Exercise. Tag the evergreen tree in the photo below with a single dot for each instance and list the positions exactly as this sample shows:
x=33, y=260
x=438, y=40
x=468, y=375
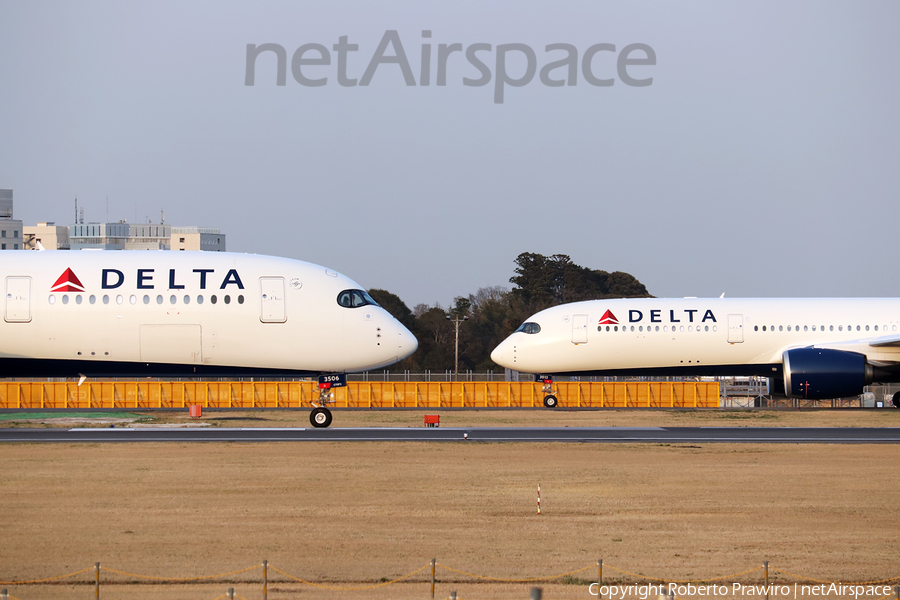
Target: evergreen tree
x=543, y=282
x=495, y=312
x=394, y=305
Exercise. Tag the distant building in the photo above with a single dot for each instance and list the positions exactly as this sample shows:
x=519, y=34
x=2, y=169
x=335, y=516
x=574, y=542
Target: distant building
x=198, y=238
x=6, y=204
x=149, y=236
x=49, y=235
x=11, y=237
x=101, y=236
x=144, y=236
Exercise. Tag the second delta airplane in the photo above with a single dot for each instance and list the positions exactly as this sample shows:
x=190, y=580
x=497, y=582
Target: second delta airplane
x=808, y=348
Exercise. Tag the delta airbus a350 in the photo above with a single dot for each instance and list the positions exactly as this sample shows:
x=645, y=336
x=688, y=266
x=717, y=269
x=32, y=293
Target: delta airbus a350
x=102, y=313
x=809, y=348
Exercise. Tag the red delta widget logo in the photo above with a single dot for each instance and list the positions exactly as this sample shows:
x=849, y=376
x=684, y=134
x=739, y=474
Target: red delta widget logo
x=111, y=279
x=608, y=319
x=67, y=282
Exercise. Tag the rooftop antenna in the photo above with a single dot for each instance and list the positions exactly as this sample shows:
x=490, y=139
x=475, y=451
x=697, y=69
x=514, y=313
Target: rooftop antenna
x=76, y=209
x=162, y=218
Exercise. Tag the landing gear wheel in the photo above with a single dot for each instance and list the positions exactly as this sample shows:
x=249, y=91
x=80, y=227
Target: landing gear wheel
x=550, y=401
x=320, y=417
x=896, y=400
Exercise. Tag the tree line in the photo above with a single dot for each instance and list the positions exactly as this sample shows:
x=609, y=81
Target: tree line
x=492, y=313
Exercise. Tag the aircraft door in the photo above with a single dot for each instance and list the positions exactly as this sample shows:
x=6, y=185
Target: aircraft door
x=579, y=329
x=271, y=294
x=735, y=329
x=18, y=300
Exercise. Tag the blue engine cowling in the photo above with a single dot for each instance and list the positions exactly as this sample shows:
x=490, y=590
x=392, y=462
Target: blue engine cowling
x=820, y=373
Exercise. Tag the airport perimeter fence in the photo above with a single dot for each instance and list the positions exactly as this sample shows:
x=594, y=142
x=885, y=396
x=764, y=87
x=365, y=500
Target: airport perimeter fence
x=759, y=581
x=406, y=390
x=372, y=394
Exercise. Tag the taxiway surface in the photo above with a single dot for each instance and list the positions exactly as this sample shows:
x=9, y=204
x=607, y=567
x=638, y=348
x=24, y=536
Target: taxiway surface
x=658, y=435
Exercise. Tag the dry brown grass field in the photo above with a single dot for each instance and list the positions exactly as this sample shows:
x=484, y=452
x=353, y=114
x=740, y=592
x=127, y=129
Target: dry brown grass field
x=352, y=515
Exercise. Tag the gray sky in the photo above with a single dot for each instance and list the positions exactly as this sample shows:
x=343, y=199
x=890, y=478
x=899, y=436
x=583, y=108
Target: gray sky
x=762, y=160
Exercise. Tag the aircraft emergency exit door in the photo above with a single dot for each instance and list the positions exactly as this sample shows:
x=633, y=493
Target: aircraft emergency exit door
x=735, y=329
x=271, y=293
x=18, y=300
x=579, y=329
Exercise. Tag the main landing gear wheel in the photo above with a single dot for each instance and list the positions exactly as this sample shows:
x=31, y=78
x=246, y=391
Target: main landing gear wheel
x=896, y=400
x=320, y=417
x=550, y=401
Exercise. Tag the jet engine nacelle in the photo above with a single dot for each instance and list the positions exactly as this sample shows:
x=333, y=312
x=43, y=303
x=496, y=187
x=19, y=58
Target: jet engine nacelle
x=820, y=373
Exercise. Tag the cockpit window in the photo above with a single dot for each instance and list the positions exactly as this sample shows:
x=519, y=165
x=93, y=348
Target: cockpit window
x=529, y=328
x=355, y=299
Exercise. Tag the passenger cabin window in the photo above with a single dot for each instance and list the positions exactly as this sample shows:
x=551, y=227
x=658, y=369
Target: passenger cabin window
x=355, y=299
x=529, y=328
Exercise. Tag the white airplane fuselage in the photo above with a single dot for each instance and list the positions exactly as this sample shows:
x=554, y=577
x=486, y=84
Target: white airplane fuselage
x=856, y=339
x=187, y=313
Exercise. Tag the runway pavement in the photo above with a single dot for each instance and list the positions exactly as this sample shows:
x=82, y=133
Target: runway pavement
x=650, y=435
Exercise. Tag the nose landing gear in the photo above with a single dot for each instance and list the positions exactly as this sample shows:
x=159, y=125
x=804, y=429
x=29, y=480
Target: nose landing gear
x=550, y=400
x=320, y=415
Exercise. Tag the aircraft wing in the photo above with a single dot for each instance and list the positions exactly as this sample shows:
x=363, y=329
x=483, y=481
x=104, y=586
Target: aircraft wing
x=885, y=340
x=860, y=345
x=882, y=350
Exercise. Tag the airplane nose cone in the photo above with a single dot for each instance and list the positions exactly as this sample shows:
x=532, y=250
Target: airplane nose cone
x=505, y=354
x=407, y=342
